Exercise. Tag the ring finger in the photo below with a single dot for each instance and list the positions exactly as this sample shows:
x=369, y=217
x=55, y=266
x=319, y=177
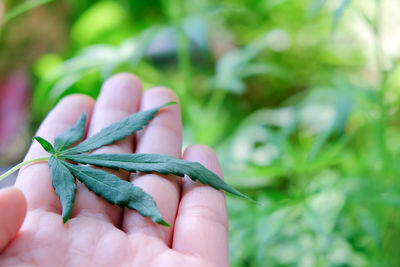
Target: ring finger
x=162, y=136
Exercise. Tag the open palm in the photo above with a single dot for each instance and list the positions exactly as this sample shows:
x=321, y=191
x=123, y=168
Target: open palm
x=100, y=234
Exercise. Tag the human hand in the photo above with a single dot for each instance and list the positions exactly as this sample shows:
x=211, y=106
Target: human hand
x=101, y=234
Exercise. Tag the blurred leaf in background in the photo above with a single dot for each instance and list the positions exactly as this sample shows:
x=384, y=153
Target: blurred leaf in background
x=299, y=98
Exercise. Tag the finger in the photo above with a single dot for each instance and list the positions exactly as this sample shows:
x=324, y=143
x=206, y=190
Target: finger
x=119, y=98
x=201, y=226
x=12, y=214
x=162, y=136
x=34, y=180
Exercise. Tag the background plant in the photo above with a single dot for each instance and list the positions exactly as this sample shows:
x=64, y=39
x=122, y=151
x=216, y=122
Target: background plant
x=300, y=99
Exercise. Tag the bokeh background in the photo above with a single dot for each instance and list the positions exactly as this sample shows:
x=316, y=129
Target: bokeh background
x=300, y=99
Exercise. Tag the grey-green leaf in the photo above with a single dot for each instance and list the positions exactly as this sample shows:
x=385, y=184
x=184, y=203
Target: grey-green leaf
x=116, y=131
x=64, y=184
x=45, y=144
x=156, y=163
x=117, y=191
x=70, y=136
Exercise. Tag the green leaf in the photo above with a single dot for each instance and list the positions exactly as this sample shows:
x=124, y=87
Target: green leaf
x=116, y=131
x=64, y=184
x=70, y=136
x=45, y=144
x=156, y=163
x=117, y=191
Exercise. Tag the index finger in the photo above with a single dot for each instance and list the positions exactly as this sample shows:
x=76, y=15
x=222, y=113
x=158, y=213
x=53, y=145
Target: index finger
x=34, y=180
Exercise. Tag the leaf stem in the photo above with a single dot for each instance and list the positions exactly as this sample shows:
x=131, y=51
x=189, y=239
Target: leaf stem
x=22, y=164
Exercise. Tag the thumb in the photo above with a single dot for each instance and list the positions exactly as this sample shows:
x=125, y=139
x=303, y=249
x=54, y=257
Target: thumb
x=12, y=213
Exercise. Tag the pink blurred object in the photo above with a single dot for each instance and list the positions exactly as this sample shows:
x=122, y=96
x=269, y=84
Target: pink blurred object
x=14, y=95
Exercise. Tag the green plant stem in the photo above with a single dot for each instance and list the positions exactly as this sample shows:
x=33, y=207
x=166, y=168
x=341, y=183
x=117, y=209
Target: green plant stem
x=384, y=152
x=175, y=12
x=22, y=8
x=22, y=164
x=389, y=233
x=184, y=61
x=217, y=100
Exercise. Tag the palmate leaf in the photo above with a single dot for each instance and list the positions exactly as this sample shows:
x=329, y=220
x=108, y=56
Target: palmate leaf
x=64, y=184
x=110, y=187
x=116, y=191
x=116, y=131
x=155, y=163
x=70, y=136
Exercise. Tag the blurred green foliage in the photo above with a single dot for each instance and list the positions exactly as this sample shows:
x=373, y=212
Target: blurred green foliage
x=299, y=98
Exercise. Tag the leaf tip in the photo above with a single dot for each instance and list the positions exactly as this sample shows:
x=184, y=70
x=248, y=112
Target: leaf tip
x=245, y=197
x=164, y=223
x=83, y=118
x=252, y=200
x=36, y=138
x=169, y=104
x=239, y=194
x=66, y=215
x=65, y=219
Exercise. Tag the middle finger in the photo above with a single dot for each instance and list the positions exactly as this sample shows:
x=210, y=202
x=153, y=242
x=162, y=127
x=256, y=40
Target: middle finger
x=119, y=98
